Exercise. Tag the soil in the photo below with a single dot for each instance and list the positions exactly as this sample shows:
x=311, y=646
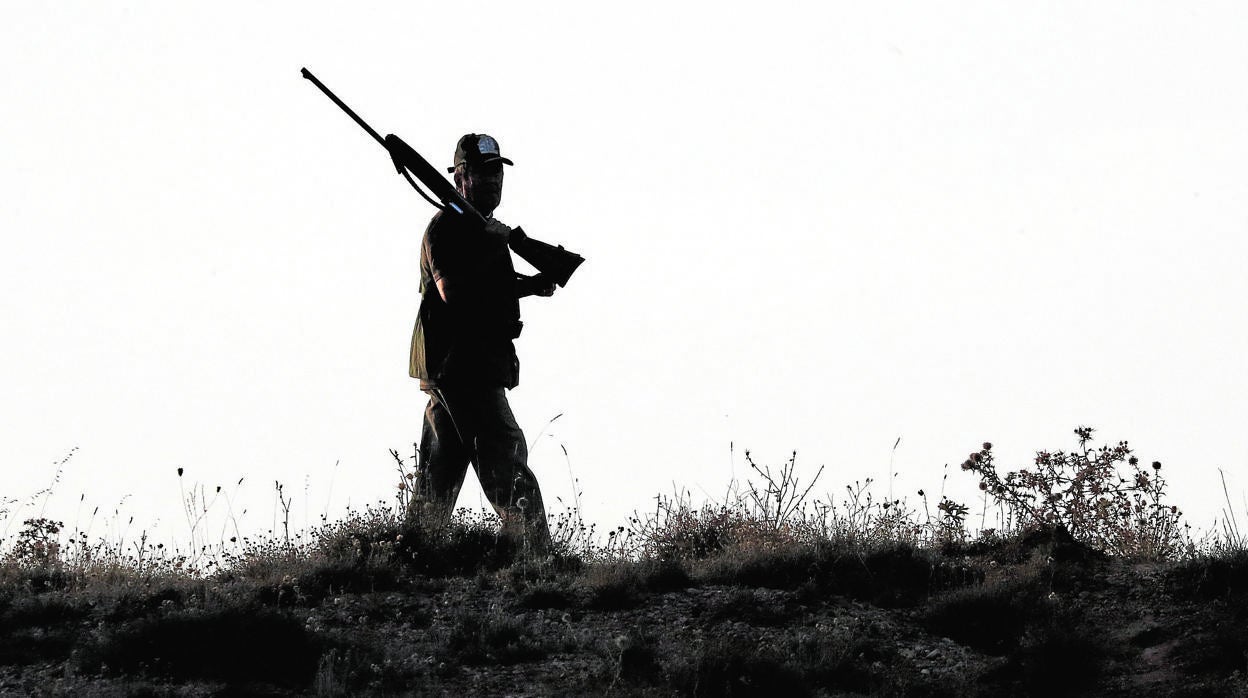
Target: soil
x=1043, y=618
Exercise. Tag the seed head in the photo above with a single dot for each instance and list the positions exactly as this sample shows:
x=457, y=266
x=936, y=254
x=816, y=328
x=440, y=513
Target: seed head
x=1156, y=465
x=987, y=446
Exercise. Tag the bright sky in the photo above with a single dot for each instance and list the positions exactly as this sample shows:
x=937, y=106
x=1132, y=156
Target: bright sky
x=809, y=225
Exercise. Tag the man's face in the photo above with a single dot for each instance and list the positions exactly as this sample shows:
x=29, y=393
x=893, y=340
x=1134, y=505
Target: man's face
x=482, y=186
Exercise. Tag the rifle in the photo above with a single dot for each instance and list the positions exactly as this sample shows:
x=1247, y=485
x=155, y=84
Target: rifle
x=551, y=260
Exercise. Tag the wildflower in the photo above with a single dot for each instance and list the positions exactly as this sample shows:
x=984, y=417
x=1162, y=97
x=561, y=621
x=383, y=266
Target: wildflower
x=987, y=446
x=976, y=457
x=1133, y=460
x=921, y=493
x=983, y=486
x=179, y=472
x=1156, y=465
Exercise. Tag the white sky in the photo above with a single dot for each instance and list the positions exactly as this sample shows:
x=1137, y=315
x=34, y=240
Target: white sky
x=813, y=226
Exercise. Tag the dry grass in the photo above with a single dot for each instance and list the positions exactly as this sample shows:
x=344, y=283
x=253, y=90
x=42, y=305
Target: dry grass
x=767, y=533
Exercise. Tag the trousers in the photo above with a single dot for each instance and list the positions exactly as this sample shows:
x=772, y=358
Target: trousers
x=470, y=424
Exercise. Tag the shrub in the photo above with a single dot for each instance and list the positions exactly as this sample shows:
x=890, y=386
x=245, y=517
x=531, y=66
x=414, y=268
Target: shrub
x=37, y=544
x=1084, y=491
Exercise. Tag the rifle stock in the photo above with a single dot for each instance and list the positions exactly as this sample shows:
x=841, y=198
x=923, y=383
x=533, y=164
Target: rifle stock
x=556, y=263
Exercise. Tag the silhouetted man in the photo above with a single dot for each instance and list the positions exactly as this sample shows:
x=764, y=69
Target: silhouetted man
x=463, y=354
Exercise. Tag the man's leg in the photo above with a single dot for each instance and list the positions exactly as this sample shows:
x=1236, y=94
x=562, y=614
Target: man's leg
x=501, y=459
x=441, y=466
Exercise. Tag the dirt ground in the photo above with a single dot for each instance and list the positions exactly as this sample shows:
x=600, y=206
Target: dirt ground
x=1044, y=619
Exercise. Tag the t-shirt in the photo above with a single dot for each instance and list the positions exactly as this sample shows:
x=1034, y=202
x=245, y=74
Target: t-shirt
x=470, y=339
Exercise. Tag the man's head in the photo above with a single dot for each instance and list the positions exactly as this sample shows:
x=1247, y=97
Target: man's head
x=478, y=171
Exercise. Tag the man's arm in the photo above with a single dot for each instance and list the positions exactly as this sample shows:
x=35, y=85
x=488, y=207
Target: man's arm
x=445, y=289
x=456, y=253
x=537, y=285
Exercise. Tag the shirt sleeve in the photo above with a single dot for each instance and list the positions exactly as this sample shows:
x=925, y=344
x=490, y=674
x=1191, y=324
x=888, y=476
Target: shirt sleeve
x=444, y=250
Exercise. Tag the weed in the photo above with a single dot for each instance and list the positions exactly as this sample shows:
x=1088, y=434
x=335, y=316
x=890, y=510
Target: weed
x=546, y=595
x=492, y=638
x=37, y=544
x=729, y=667
x=780, y=499
x=623, y=584
x=633, y=658
x=346, y=608
x=1221, y=575
x=1084, y=491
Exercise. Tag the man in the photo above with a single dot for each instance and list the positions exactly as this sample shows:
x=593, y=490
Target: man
x=464, y=355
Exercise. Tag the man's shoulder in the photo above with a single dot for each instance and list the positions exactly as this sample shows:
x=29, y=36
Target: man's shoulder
x=437, y=223
x=440, y=233
x=447, y=226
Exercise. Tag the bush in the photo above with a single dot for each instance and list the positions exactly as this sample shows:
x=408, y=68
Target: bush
x=1084, y=492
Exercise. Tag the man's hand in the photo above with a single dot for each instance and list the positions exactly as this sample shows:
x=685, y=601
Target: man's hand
x=546, y=287
x=536, y=285
x=495, y=227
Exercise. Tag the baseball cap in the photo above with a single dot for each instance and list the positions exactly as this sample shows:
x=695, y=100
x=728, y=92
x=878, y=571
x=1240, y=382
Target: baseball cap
x=477, y=149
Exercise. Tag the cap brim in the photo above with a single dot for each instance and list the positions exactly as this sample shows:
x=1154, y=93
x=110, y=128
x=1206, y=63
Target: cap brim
x=486, y=161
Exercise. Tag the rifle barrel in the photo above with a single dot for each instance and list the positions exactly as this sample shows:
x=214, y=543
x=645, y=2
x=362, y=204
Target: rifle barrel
x=308, y=74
